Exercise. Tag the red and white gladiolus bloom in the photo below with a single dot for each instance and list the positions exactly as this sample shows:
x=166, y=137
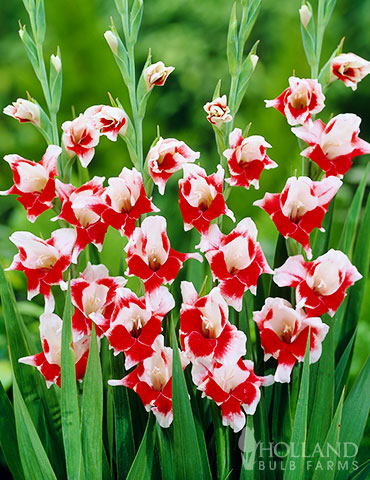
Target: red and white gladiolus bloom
x=236, y=260
x=24, y=111
x=284, y=334
x=218, y=111
x=299, y=101
x=333, y=146
x=247, y=158
x=320, y=285
x=201, y=197
x=233, y=387
x=34, y=183
x=43, y=261
x=125, y=200
x=152, y=381
x=300, y=207
x=167, y=157
x=49, y=360
x=82, y=207
x=150, y=256
x=80, y=137
x=156, y=74
x=350, y=69
x=111, y=121
x=135, y=324
x=205, y=330
x=94, y=293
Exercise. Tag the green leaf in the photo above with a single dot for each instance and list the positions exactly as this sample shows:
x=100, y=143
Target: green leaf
x=124, y=429
x=342, y=368
x=222, y=444
x=188, y=461
x=249, y=17
x=141, y=469
x=40, y=21
x=34, y=460
x=361, y=259
x=362, y=472
x=355, y=413
x=69, y=401
x=349, y=230
x=300, y=424
x=323, y=403
x=248, y=450
x=232, y=42
x=331, y=440
x=8, y=436
x=164, y=444
x=136, y=16
x=217, y=90
x=92, y=413
x=246, y=72
x=321, y=244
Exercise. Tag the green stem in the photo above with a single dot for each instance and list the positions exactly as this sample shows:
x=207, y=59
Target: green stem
x=221, y=438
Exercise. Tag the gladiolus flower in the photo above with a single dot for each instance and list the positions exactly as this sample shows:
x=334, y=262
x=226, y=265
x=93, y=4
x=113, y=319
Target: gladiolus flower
x=284, y=335
x=232, y=387
x=320, y=285
x=152, y=381
x=136, y=323
x=34, y=182
x=24, y=111
x=82, y=208
x=300, y=207
x=167, y=157
x=49, y=360
x=156, y=74
x=247, y=158
x=218, y=111
x=126, y=200
x=236, y=260
x=111, y=121
x=205, y=330
x=43, y=261
x=94, y=293
x=150, y=256
x=349, y=68
x=303, y=98
x=80, y=136
x=201, y=198
x=333, y=146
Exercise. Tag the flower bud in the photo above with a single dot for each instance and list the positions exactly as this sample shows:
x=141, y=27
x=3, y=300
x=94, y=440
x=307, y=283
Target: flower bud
x=156, y=74
x=112, y=41
x=254, y=60
x=56, y=62
x=24, y=111
x=305, y=14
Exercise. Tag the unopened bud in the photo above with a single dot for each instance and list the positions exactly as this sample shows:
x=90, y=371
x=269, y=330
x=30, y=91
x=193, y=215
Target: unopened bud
x=112, y=41
x=56, y=62
x=305, y=14
x=254, y=60
x=21, y=32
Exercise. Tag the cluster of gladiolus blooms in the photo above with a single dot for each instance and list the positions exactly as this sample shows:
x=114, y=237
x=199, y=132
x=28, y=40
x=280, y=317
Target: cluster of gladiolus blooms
x=133, y=325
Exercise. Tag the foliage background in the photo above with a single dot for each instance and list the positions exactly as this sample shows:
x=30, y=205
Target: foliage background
x=190, y=35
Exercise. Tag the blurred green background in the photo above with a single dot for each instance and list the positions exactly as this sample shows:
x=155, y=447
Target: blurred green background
x=190, y=35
